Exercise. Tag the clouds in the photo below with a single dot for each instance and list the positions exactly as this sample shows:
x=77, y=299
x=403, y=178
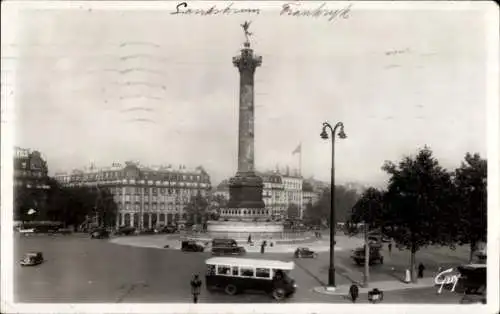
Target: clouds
x=80, y=74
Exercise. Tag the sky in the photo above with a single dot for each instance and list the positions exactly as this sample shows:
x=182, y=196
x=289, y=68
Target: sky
x=397, y=79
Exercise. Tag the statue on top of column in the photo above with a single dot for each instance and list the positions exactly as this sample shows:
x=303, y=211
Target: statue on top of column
x=245, y=27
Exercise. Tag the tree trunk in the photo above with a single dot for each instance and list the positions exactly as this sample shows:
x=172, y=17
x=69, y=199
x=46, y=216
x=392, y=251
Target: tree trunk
x=473, y=247
x=367, y=258
x=412, y=264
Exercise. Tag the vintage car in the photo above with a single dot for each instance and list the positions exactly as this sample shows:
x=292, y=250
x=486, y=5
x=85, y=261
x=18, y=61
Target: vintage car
x=167, y=229
x=192, y=246
x=32, y=259
x=473, y=283
x=223, y=242
x=303, y=252
x=358, y=255
x=148, y=231
x=99, y=233
x=125, y=231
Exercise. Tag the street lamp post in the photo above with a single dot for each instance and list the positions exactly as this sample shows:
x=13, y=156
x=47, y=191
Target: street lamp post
x=324, y=135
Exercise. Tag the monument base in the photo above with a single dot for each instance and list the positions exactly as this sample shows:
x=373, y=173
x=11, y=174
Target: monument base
x=245, y=190
x=243, y=229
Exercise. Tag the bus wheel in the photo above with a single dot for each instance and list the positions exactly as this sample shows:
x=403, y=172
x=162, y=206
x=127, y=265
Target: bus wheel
x=231, y=289
x=279, y=294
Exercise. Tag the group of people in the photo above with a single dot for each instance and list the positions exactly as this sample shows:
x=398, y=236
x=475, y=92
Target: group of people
x=262, y=245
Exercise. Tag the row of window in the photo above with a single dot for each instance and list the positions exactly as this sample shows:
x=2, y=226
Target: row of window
x=37, y=174
x=153, y=191
x=241, y=271
x=114, y=175
x=138, y=198
x=154, y=207
x=246, y=212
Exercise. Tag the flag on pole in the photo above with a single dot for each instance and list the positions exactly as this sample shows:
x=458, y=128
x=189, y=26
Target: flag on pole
x=298, y=150
x=31, y=211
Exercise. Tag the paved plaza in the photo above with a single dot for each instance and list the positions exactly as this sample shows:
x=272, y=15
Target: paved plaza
x=78, y=269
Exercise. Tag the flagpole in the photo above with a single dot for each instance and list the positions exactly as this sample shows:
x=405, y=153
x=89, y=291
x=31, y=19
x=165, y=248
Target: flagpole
x=300, y=160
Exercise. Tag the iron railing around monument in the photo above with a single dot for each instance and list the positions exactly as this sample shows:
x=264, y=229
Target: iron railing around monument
x=255, y=236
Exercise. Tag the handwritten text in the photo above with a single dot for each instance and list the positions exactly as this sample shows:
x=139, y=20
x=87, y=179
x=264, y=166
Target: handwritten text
x=443, y=278
x=292, y=9
x=181, y=8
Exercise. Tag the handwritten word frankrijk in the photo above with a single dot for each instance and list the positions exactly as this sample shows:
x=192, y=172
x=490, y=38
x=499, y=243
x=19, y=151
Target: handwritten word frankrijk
x=443, y=278
x=181, y=8
x=320, y=11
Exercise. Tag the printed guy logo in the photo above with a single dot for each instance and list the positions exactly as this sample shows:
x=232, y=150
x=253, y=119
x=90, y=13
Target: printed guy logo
x=443, y=278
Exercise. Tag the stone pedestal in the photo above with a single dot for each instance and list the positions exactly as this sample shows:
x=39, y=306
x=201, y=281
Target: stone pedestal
x=245, y=191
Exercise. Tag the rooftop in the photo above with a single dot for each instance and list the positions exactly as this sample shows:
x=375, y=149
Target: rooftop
x=233, y=261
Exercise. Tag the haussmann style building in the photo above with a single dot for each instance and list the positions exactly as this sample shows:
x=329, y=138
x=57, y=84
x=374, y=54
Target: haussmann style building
x=146, y=196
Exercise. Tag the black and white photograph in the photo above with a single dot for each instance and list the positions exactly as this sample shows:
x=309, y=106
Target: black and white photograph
x=260, y=157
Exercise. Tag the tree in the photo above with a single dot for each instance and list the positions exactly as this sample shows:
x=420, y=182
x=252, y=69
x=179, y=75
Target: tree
x=293, y=211
x=197, y=208
x=106, y=208
x=418, y=195
x=72, y=205
x=344, y=201
x=471, y=188
x=368, y=210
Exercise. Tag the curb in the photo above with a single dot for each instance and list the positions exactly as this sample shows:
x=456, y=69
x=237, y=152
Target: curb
x=344, y=289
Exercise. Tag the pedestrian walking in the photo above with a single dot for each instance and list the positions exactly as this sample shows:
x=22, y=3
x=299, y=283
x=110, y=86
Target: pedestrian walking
x=249, y=238
x=195, y=288
x=354, y=292
x=389, y=247
x=262, y=246
x=421, y=269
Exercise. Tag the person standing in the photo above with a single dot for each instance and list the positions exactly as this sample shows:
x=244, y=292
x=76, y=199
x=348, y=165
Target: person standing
x=249, y=238
x=421, y=269
x=262, y=246
x=354, y=292
x=195, y=288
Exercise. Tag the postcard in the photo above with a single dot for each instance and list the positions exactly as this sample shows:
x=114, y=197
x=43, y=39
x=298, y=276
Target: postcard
x=249, y=157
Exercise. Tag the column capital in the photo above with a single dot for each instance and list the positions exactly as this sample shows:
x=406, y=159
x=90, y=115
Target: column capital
x=247, y=61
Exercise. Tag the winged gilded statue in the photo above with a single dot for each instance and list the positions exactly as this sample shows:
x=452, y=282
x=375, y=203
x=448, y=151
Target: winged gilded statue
x=245, y=27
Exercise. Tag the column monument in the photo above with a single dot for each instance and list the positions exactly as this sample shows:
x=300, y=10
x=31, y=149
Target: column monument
x=245, y=212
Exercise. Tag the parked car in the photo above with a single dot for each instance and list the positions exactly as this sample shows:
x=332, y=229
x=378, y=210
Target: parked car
x=32, y=259
x=303, y=252
x=223, y=242
x=148, y=231
x=100, y=233
x=26, y=231
x=192, y=246
x=125, y=231
x=358, y=255
x=375, y=241
x=64, y=231
x=168, y=229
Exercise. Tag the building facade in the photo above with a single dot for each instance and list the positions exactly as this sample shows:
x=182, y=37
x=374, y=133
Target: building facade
x=309, y=195
x=30, y=176
x=279, y=193
x=146, y=196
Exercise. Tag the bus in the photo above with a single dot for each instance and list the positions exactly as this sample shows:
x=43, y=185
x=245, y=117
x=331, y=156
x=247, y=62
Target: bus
x=236, y=275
